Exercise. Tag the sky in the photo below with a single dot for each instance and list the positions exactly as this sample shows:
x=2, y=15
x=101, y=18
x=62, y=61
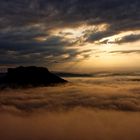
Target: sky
x=70, y=35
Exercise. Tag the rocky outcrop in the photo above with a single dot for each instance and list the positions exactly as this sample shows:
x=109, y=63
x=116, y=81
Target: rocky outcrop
x=30, y=76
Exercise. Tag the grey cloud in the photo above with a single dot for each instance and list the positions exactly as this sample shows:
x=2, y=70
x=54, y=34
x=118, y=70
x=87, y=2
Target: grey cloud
x=128, y=39
x=65, y=13
x=22, y=21
x=126, y=51
x=35, y=52
x=97, y=36
x=125, y=39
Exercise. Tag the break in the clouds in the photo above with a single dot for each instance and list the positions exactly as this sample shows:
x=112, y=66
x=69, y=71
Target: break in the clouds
x=49, y=31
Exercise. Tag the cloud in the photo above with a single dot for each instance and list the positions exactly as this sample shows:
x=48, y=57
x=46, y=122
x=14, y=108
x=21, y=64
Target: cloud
x=129, y=39
x=126, y=51
x=21, y=22
x=125, y=39
x=72, y=12
x=83, y=124
x=22, y=52
x=95, y=94
x=97, y=36
x=94, y=108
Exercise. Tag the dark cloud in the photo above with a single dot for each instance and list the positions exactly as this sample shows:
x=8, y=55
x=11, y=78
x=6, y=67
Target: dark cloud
x=73, y=10
x=126, y=51
x=125, y=39
x=66, y=12
x=23, y=21
x=97, y=36
x=40, y=53
x=128, y=39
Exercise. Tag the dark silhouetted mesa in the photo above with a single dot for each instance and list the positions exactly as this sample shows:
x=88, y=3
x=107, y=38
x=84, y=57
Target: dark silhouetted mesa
x=29, y=76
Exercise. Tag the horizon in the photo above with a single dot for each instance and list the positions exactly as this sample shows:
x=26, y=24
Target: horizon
x=86, y=73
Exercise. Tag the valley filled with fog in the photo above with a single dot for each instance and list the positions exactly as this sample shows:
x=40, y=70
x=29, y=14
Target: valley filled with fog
x=102, y=107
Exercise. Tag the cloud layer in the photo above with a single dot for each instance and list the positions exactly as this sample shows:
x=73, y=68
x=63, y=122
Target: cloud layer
x=100, y=108
x=26, y=27
x=109, y=94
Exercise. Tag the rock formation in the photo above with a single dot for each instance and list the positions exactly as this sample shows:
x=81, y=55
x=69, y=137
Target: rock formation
x=30, y=76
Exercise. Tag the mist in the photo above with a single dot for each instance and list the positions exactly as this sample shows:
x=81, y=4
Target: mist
x=99, y=108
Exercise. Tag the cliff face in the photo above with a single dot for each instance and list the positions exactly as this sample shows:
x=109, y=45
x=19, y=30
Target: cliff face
x=31, y=76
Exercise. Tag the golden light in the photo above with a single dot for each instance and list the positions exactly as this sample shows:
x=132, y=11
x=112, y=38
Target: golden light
x=76, y=32
x=40, y=39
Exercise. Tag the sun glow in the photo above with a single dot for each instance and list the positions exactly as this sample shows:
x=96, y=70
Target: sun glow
x=40, y=39
x=100, y=55
x=80, y=31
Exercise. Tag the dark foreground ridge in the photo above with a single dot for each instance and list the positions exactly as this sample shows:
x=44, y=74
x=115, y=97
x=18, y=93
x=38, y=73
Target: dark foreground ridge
x=29, y=76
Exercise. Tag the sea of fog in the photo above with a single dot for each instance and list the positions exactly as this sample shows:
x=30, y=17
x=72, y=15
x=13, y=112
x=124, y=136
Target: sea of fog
x=101, y=107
